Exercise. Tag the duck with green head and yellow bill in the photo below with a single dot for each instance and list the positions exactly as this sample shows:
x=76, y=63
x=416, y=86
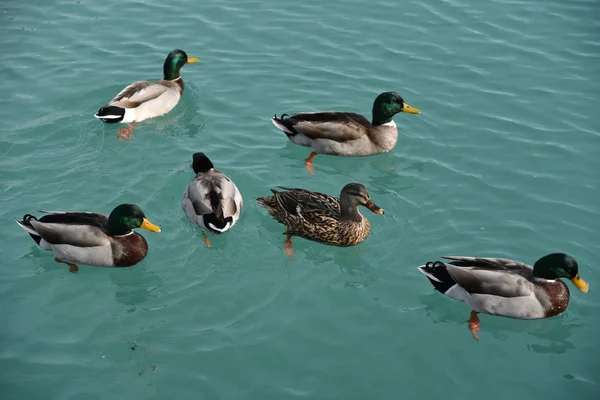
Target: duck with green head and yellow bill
x=144, y=99
x=346, y=133
x=508, y=288
x=92, y=238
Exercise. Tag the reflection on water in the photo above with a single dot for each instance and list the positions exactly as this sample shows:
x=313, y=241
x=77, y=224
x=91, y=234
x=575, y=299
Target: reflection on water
x=350, y=261
x=135, y=286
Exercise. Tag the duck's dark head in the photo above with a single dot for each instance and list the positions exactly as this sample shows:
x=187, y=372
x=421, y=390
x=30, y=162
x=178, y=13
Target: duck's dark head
x=126, y=217
x=354, y=195
x=559, y=265
x=388, y=104
x=201, y=163
x=175, y=60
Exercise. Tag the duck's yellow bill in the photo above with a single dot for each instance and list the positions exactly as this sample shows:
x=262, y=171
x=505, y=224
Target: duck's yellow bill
x=410, y=110
x=374, y=207
x=580, y=283
x=192, y=60
x=150, y=226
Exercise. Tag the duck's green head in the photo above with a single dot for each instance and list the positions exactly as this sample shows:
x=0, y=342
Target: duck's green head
x=175, y=60
x=559, y=265
x=388, y=104
x=201, y=163
x=126, y=217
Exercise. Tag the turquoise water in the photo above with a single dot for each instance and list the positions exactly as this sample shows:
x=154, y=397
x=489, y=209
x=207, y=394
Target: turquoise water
x=502, y=162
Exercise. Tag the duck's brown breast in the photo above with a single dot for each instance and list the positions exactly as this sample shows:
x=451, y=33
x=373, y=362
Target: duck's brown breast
x=129, y=250
x=558, y=297
x=353, y=233
x=180, y=84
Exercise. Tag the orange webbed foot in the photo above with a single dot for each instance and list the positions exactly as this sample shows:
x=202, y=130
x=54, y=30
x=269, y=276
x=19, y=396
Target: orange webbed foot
x=126, y=132
x=72, y=267
x=288, y=250
x=206, y=240
x=474, y=324
x=308, y=163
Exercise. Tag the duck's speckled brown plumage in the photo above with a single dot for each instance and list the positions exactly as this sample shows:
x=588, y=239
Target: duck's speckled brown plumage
x=315, y=216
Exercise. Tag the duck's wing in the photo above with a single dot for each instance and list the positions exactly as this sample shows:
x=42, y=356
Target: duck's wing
x=491, y=276
x=138, y=93
x=491, y=263
x=333, y=125
x=310, y=206
x=81, y=229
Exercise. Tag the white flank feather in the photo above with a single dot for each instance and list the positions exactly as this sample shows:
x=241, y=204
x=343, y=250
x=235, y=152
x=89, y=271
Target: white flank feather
x=422, y=269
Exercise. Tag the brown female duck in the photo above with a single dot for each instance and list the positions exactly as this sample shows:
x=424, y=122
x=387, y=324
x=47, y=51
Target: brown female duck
x=319, y=217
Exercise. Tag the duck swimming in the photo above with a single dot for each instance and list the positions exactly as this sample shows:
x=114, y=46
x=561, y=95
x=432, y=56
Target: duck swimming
x=320, y=217
x=346, y=133
x=211, y=200
x=143, y=99
x=504, y=287
x=92, y=238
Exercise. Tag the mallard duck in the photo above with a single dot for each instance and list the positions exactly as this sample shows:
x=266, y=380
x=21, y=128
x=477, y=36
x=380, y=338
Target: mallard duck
x=319, y=217
x=92, y=238
x=143, y=99
x=504, y=287
x=211, y=200
x=346, y=133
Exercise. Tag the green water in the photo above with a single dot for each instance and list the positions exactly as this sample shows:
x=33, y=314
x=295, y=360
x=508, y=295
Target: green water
x=502, y=162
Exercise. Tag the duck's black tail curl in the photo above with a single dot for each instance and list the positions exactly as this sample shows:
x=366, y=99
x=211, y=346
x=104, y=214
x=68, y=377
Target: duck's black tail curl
x=26, y=224
x=285, y=124
x=29, y=217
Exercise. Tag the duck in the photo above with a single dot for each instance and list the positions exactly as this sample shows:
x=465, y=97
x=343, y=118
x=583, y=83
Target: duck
x=211, y=200
x=504, y=287
x=346, y=133
x=144, y=99
x=91, y=238
x=320, y=217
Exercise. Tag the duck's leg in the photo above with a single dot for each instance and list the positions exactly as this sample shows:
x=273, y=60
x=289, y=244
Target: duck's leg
x=287, y=248
x=474, y=325
x=72, y=267
x=308, y=162
x=206, y=240
x=126, y=132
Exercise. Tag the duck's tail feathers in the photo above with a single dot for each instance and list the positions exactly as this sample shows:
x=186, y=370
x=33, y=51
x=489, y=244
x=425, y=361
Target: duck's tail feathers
x=217, y=225
x=438, y=275
x=262, y=201
x=111, y=114
x=284, y=124
x=267, y=201
x=26, y=225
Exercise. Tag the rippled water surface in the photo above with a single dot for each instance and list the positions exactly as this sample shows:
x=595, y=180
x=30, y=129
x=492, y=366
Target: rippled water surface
x=502, y=162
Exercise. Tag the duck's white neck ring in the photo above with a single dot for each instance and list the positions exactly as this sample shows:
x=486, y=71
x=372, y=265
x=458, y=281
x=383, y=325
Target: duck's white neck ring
x=127, y=234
